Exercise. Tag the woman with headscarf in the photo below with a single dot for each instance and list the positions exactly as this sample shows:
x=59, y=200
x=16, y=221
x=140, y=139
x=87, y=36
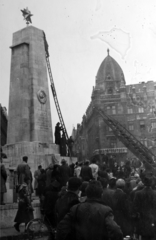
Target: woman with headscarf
x=25, y=210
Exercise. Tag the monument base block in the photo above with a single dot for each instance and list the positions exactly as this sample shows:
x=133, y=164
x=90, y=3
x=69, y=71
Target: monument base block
x=38, y=153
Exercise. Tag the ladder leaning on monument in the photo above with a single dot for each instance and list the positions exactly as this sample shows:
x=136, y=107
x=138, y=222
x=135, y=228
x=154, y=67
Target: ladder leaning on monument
x=130, y=141
x=54, y=93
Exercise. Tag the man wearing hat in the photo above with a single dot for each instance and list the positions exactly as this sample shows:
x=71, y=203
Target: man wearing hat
x=65, y=172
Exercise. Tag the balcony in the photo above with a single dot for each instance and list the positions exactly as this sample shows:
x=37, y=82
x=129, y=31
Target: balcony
x=110, y=150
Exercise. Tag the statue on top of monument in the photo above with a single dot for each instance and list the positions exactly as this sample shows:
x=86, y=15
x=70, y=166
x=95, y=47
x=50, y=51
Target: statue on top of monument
x=27, y=15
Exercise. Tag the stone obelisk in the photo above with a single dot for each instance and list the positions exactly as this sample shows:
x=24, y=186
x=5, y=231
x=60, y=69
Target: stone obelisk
x=29, y=118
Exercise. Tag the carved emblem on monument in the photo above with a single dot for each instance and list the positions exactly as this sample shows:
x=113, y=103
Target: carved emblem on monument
x=42, y=97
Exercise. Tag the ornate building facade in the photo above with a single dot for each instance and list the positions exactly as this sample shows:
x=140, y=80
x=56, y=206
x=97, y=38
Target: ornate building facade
x=134, y=106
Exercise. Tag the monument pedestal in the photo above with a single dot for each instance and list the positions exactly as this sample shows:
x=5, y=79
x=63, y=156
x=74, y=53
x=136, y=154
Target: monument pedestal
x=38, y=154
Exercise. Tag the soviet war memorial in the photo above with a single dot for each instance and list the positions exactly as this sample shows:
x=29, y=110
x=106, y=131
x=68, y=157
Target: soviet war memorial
x=78, y=157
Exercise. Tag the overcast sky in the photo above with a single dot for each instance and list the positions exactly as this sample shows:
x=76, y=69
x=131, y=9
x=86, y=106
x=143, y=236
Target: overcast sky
x=78, y=34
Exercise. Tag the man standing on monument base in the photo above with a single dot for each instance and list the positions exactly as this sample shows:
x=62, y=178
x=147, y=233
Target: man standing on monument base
x=23, y=173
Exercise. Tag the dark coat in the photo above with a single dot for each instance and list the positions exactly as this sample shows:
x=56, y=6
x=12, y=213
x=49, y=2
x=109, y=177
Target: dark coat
x=3, y=178
x=86, y=173
x=102, y=174
x=56, y=173
x=25, y=211
x=57, y=134
x=145, y=209
x=23, y=171
x=108, y=196
x=64, y=174
x=48, y=176
x=36, y=175
x=121, y=211
x=41, y=183
x=64, y=204
x=89, y=221
x=51, y=196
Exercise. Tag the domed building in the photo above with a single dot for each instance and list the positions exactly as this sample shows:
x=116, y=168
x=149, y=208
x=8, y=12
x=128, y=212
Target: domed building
x=109, y=76
x=132, y=105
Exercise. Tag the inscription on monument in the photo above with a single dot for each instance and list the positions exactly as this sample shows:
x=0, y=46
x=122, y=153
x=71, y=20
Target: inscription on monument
x=43, y=122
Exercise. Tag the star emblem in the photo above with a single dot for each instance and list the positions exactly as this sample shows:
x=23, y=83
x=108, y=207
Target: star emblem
x=27, y=15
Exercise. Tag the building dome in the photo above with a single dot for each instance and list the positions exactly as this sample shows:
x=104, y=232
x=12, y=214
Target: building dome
x=109, y=70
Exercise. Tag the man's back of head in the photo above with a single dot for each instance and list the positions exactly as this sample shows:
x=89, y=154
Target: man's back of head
x=39, y=167
x=74, y=184
x=120, y=183
x=94, y=190
x=112, y=183
x=86, y=163
x=63, y=162
x=25, y=159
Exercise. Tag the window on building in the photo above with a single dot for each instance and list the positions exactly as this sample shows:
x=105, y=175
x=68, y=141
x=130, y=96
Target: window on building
x=131, y=127
x=108, y=77
x=120, y=109
x=110, y=91
x=108, y=110
x=142, y=125
x=130, y=110
x=113, y=110
x=110, y=130
x=141, y=110
x=153, y=124
x=113, y=143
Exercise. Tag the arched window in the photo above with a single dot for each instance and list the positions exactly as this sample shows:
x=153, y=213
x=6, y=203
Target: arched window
x=110, y=91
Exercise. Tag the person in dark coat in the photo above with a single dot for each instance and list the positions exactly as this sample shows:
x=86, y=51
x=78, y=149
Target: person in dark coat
x=83, y=195
x=23, y=172
x=107, y=195
x=139, y=187
x=31, y=183
x=65, y=172
x=41, y=187
x=120, y=172
x=121, y=208
x=69, y=199
x=3, y=178
x=58, y=130
x=72, y=166
x=56, y=173
x=102, y=173
x=86, y=172
x=90, y=220
x=112, y=183
x=115, y=169
x=51, y=196
x=145, y=210
x=127, y=170
x=49, y=171
x=70, y=146
x=25, y=210
x=36, y=175
x=63, y=145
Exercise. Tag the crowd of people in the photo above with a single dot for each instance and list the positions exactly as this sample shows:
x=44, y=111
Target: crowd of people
x=90, y=200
